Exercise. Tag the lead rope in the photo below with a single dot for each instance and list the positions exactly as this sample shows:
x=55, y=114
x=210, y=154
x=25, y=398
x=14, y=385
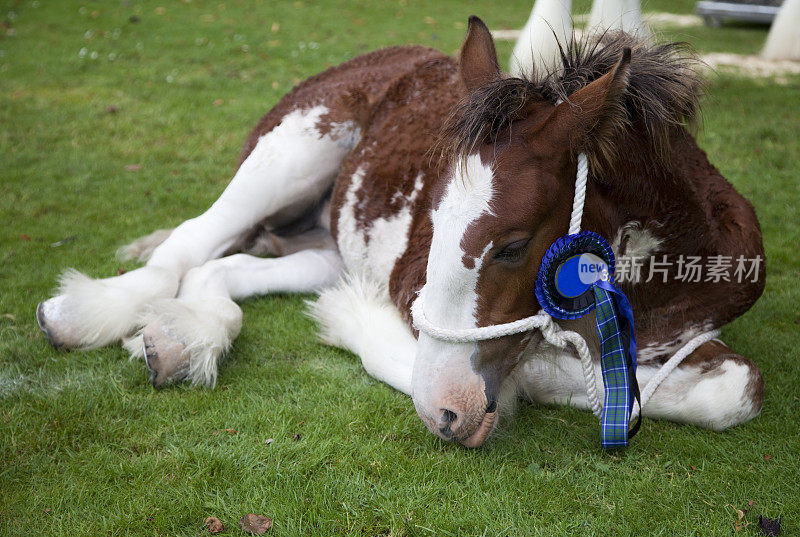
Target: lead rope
x=589, y=374
x=554, y=334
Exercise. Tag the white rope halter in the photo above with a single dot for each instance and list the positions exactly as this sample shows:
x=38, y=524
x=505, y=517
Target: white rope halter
x=554, y=334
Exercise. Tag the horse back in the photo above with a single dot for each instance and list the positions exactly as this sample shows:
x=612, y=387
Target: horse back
x=347, y=90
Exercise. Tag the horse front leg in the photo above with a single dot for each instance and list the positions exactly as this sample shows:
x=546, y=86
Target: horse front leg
x=713, y=388
x=357, y=315
x=185, y=337
x=90, y=313
x=288, y=171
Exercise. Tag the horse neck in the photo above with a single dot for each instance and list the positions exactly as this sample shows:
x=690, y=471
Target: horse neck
x=640, y=186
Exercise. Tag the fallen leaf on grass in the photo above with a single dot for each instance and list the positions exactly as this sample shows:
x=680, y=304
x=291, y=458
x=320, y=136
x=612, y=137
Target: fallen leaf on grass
x=767, y=457
x=770, y=526
x=740, y=523
x=111, y=109
x=215, y=525
x=8, y=316
x=256, y=524
x=230, y=431
x=133, y=167
x=24, y=237
x=121, y=271
x=297, y=437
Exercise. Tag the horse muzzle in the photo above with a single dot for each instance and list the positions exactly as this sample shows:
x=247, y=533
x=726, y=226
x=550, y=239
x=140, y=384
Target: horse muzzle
x=459, y=417
x=455, y=400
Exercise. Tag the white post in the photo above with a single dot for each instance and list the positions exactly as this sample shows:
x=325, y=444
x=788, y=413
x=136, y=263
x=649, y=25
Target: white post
x=548, y=25
x=623, y=15
x=783, y=41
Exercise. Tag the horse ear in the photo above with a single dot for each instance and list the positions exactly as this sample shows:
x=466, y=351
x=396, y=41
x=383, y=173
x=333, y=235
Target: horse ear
x=478, y=63
x=590, y=115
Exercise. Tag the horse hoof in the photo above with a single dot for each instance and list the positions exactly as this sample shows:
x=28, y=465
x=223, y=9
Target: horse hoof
x=41, y=320
x=165, y=355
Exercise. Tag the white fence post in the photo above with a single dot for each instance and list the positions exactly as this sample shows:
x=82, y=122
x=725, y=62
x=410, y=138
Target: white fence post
x=783, y=41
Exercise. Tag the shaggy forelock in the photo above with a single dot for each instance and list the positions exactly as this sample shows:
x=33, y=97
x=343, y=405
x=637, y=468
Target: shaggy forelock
x=663, y=92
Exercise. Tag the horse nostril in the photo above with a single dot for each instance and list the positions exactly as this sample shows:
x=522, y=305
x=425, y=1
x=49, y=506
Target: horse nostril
x=445, y=421
x=492, y=407
x=448, y=417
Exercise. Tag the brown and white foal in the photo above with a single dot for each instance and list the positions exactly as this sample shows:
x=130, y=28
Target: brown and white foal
x=405, y=172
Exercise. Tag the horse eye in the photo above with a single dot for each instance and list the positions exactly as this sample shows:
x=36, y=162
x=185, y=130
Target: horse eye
x=513, y=251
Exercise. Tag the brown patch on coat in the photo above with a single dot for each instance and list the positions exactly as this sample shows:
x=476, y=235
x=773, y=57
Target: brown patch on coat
x=393, y=159
x=364, y=78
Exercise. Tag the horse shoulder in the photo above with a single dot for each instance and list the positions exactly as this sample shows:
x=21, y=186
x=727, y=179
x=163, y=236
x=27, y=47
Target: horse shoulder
x=381, y=199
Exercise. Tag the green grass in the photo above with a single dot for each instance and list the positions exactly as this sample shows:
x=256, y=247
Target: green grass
x=88, y=447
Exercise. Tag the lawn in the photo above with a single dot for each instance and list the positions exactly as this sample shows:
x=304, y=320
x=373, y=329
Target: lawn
x=117, y=118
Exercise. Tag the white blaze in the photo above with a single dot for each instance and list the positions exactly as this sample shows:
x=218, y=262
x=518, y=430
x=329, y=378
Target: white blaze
x=449, y=297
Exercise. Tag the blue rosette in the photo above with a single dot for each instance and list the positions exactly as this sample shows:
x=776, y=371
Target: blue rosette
x=560, y=288
x=575, y=277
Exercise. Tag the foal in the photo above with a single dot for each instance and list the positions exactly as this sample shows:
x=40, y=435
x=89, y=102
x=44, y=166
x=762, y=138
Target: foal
x=406, y=173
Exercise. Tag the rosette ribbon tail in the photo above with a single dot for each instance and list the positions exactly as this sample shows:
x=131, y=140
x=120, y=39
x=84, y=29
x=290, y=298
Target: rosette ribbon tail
x=618, y=364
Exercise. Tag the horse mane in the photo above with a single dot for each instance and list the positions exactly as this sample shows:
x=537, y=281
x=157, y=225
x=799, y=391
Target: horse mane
x=663, y=93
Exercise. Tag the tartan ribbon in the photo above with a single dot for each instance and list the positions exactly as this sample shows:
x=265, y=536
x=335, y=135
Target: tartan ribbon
x=618, y=363
x=614, y=320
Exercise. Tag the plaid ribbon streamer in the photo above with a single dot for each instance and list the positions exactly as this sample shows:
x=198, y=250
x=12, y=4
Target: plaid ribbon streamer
x=614, y=325
x=617, y=371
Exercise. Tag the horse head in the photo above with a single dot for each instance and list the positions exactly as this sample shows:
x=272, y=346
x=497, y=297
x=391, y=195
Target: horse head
x=506, y=197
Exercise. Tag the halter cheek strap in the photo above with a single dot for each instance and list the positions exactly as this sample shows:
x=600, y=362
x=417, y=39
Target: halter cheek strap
x=614, y=326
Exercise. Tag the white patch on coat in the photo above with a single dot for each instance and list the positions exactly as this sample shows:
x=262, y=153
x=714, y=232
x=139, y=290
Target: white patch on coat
x=290, y=168
x=714, y=400
x=371, y=249
x=640, y=243
x=633, y=246
x=288, y=171
x=449, y=295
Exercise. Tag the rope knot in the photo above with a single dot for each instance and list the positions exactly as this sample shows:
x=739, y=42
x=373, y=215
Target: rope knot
x=552, y=333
